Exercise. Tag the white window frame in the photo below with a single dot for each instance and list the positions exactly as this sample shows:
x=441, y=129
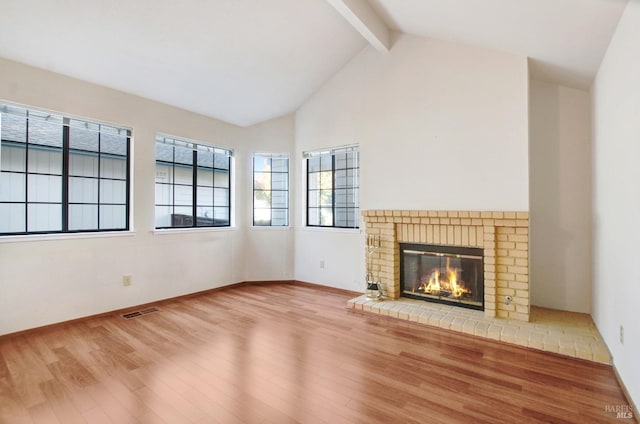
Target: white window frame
x=332, y=152
x=288, y=190
x=70, y=123
x=196, y=146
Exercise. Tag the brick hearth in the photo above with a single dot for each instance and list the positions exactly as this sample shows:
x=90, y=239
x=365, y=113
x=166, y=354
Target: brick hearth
x=504, y=236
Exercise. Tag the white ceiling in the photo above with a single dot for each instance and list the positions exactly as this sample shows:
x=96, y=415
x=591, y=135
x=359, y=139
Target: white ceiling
x=241, y=61
x=565, y=39
x=246, y=61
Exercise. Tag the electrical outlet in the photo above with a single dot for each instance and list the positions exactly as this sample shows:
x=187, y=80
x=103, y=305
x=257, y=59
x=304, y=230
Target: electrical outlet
x=321, y=264
x=126, y=280
x=621, y=334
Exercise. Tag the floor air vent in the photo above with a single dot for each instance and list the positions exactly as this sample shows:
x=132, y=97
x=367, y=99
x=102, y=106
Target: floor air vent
x=140, y=313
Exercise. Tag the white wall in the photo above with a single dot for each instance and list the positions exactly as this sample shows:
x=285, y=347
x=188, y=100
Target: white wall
x=440, y=126
x=44, y=282
x=560, y=212
x=616, y=225
x=269, y=250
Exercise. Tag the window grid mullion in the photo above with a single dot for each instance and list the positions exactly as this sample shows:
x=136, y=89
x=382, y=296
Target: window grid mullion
x=271, y=194
x=65, y=175
x=194, y=187
x=26, y=175
x=173, y=184
x=213, y=192
x=230, y=188
x=99, y=177
x=333, y=190
x=128, y=176
x=308, y=202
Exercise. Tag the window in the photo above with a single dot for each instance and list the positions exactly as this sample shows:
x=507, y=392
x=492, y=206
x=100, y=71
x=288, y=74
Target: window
x=270, y=190
x=61, y=174
x=192, y=180
x=332, y=188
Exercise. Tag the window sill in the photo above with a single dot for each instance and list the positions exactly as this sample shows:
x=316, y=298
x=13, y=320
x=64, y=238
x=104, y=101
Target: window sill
x=65, y=236
x=165, y=231
x=270, y=228
x=333, y=230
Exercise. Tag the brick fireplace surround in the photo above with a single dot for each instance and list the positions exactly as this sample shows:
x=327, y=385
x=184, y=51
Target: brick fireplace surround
x=504, y=236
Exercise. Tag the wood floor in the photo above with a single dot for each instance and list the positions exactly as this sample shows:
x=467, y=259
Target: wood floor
x=285, y=353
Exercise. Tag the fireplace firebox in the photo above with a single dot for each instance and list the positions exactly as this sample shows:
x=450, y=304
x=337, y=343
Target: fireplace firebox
x=444, y=274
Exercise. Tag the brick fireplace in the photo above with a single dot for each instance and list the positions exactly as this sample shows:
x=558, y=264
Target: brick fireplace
x=503, y=236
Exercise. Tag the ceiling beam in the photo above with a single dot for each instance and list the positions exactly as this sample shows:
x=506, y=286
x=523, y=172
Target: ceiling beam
x=365, y=20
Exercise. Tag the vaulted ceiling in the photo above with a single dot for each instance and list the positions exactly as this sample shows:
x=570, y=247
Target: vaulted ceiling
x=246, y=61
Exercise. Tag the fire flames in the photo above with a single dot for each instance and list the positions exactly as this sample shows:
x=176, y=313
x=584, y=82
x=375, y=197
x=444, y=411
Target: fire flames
x=448, y=284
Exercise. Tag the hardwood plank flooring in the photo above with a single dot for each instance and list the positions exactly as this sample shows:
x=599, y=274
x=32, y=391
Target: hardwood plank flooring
x=288, y=353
